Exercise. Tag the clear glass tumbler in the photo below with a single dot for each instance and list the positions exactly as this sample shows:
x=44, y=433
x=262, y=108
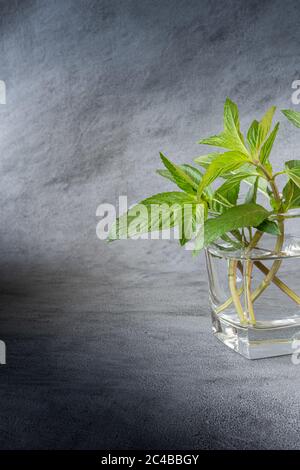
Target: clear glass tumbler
x=255, y=293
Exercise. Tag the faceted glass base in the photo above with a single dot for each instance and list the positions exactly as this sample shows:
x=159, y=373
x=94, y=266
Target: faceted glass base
x=259, y=341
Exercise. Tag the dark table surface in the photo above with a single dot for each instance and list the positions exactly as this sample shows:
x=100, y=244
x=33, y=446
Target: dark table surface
x=130, y=362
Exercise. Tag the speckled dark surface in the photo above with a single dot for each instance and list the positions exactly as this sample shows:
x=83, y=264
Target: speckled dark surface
x=110, y=346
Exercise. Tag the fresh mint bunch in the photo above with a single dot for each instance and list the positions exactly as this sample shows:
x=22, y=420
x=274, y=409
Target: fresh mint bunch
x=215, y=187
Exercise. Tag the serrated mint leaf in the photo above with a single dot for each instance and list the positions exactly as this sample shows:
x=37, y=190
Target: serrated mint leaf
x=226, y=195
x=166, y=174
x=224, y=163
x=265, y=125
x=231, y=138
x=293, y=116
x=244, y=215
x=156, y=213
x=287, y=193
x=252, y=192
x=232, y=125
x=252, y=135
x=269, y=226
x=180, y=176
x=221, y=140
x=227, y=141
x=205, y=160
x=258, y=131
x=240, y=174
x=262, y=185
x=192, y=172
x=293, y=171
x=231, y=116
x=291, y=195
x=267, y=146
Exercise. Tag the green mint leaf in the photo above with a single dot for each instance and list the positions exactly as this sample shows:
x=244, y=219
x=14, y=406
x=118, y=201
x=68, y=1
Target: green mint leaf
x=293, y=171
x=227, y=141
x=293, y=201
x=267, y=146
x=222, y=140
x=240, y=175
x=252, y=135
x=288, y=193
x=244, y=215
x=189, y=227
x=226, y=195
x=192, y=172
x=139, y=218
x=269, y=226
x=262, y=185
x=243, y=173
x=232, y=125
x=258, y=131
x=293, y=116
x=166, y=174
x=205, y=160
x=231, y=138
x=180, y=176
x=224, y=163
x=252, y=192
x=231, y=116
x=265, y=125
x=291, y=195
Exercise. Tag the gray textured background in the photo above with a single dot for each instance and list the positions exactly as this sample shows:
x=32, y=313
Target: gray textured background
x=110, y=346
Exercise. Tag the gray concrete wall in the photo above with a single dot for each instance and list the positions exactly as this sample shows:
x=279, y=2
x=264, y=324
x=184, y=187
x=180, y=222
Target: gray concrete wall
x=95, y=89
